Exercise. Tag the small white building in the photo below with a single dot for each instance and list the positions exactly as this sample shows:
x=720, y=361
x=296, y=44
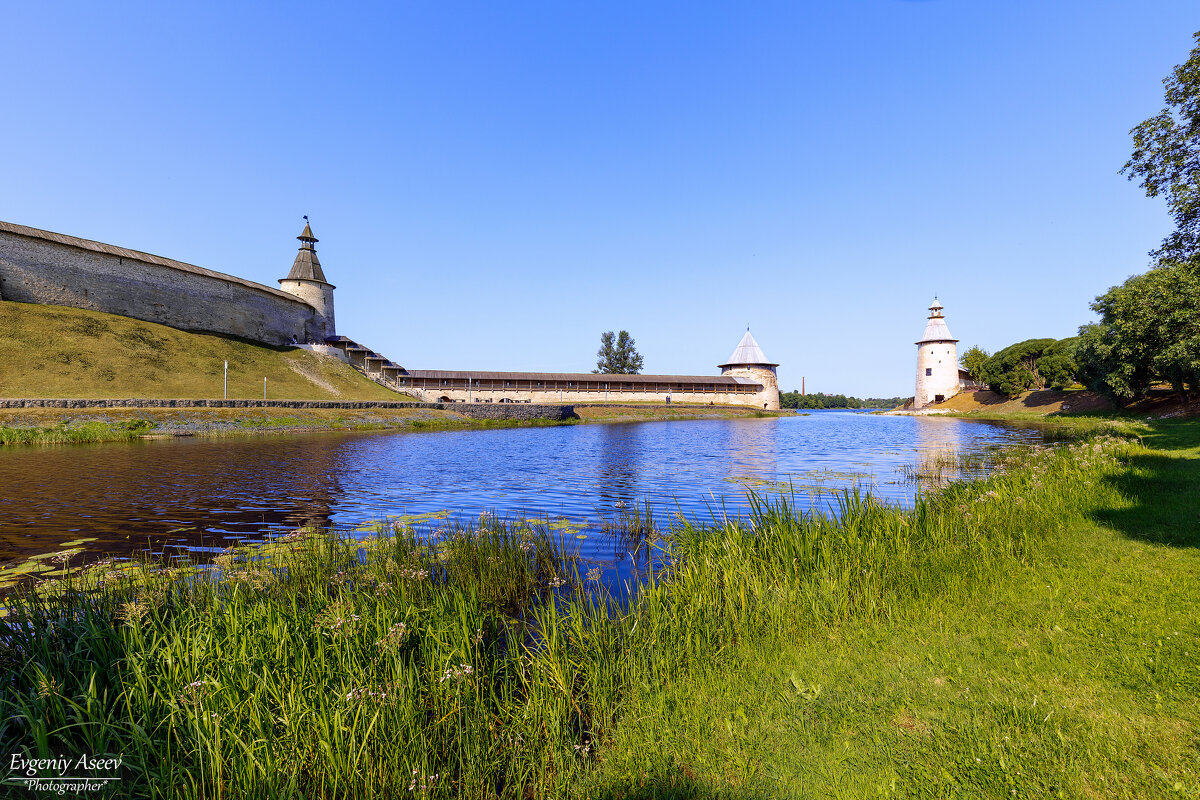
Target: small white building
x=937, y=361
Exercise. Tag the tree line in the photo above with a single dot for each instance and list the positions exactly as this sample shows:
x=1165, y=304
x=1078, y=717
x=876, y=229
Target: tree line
x=1149, y=328
x=816, y=400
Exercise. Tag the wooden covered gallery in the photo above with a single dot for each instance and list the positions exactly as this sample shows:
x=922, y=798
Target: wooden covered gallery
x=484, y=387
x=748, y=379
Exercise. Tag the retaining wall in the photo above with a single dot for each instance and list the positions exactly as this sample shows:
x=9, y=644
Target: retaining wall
x=472, y=410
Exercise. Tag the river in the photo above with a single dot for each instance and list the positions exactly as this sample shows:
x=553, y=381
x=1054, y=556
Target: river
x=193, y=496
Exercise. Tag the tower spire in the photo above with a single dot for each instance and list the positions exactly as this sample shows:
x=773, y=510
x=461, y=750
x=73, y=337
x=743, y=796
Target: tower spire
x=307, y=267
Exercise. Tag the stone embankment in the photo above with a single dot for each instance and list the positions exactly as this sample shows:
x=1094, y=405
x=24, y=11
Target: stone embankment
x=516, y=411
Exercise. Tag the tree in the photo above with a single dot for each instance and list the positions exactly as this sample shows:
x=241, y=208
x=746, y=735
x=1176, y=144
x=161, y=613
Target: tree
x=1166, y=157
x=617, y=358
x=973, y=360
x=1031, y=364
x=1149, y=331
x=1057, y=366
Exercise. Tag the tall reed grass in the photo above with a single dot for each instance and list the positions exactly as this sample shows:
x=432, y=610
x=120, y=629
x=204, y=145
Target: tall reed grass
x=83, y=433
x=471, y=661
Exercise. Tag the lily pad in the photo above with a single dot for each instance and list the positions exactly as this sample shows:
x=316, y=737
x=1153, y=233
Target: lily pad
x=29, y=567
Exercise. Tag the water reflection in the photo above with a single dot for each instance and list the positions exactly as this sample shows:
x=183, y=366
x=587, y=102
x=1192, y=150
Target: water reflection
x=618, y=452
x=191, y=494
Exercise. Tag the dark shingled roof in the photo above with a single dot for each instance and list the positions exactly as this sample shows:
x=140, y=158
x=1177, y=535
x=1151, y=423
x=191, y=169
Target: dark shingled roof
x=721, y=380
x=307, y=267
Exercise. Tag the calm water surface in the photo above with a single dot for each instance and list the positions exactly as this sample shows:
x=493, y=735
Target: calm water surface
x=193, y=495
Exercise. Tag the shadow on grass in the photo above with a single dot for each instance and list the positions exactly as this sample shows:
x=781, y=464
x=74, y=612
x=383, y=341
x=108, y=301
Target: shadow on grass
x=1038, y=399
x=1164, y=486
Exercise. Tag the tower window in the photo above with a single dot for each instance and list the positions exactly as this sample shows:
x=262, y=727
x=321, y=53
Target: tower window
x=928, y=371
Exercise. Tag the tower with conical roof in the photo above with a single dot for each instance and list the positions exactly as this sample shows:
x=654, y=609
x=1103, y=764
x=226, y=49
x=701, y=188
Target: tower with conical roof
x=937, y=361
x=307, y=281
x=749, y=361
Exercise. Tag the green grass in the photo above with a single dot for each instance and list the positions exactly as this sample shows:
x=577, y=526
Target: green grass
x=60, y=352
x=87, y=432
x=43, y=426
x=1048, y=646
x=305, y=672
x=1031, y=635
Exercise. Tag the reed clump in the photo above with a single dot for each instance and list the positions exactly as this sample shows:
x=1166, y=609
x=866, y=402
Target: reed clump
x=318, y=665
x=88, y=432
x=782, y=570
x=474, y=661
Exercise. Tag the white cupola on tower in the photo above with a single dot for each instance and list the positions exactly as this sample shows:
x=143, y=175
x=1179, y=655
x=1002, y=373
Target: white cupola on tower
x=937, y=361
x=307, y=281
x=748, y=361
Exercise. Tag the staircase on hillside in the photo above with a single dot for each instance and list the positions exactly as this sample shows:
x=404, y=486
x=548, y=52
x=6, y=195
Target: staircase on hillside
x=376, y=367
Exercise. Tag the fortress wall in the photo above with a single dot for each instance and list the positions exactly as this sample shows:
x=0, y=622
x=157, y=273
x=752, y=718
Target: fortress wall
x=102, y=278
x=478, y=396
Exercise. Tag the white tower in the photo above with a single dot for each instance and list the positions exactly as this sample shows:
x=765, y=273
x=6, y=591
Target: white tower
x=749, y=361
x=937, y=361
x=307, y=281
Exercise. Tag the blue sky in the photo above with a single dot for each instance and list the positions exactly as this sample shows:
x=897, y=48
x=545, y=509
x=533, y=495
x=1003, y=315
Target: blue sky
x=495, y=184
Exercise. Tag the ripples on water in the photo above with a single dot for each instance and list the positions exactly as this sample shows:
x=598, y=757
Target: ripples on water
x=193, y=495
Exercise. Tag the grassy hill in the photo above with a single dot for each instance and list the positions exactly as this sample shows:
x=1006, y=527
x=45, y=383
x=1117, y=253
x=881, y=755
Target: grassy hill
x=1160, y=403
x=1044, y=401
x=55, y=351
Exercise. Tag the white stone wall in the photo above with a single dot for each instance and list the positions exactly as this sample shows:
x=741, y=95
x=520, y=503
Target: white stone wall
x=320, y=297
x=769, y=397
x=34, y=270
x=940, y=361
x=325, y=350
x=460, y=395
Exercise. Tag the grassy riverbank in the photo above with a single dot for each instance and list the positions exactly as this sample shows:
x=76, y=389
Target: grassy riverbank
x=1035, y=634
x=1044, y=644
x=63, y=426
x=639, y=412
x=60, y=352
x=27, y=426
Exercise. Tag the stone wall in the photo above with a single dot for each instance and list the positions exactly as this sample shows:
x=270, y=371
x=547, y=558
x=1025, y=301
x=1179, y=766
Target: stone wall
x=326, y=350
x=768, y=398
x=460, y=397
x=43, y=267
x=473, y=410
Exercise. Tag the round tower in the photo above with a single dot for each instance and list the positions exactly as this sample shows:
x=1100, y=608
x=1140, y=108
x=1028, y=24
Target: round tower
x=749, y=361
x=937, y=361
x=307, y=281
